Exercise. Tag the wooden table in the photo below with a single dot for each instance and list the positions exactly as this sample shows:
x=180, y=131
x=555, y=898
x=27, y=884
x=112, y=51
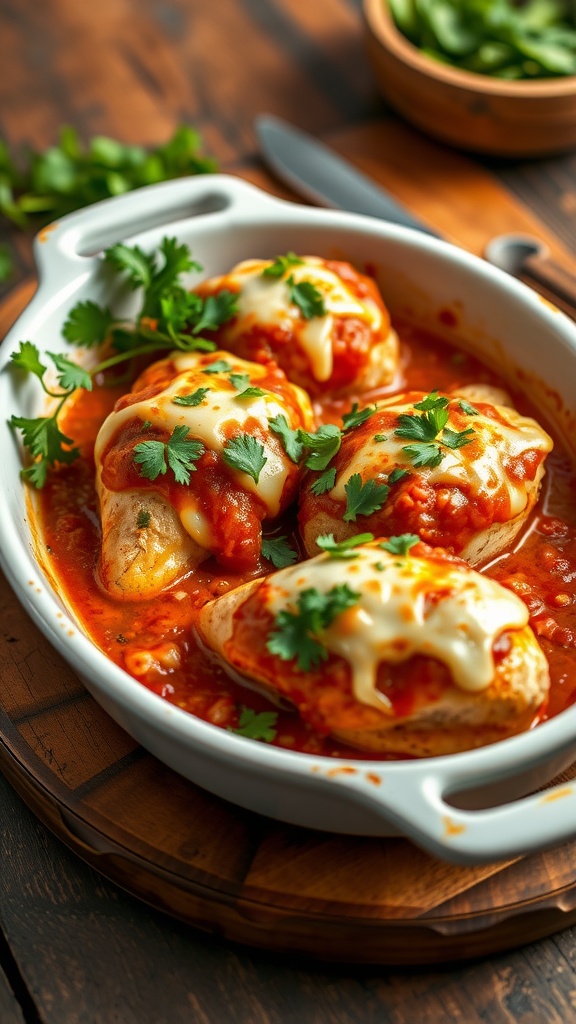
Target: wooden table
x=73, y=947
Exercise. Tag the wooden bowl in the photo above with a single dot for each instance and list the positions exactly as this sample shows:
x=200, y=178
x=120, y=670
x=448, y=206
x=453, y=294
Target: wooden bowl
x=468, y=110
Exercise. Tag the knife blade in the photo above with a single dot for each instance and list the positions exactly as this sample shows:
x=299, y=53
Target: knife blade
x=320, y=175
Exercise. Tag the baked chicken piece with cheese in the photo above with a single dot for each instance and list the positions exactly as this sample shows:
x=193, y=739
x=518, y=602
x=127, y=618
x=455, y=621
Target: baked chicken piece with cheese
x=188, y=465
x=322, y=321
x=460, y=475
x=403, y=653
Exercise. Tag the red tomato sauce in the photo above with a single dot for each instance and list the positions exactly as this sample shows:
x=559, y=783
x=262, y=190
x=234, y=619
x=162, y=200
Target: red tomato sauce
x=155, y=640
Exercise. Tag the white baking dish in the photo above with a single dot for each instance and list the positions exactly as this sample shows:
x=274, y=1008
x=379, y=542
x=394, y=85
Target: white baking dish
x=225, y=220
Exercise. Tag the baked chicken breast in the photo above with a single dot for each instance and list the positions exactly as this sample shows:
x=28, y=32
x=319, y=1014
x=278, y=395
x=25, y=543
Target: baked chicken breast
x=460, y=475
x=414, y=654
x=188, y=465
x=322, y=321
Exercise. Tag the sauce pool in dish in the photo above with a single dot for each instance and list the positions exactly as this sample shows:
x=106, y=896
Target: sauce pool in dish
x=155, y=641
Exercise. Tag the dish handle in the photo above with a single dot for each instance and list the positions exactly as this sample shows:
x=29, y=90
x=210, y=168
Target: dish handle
x=420, y=810
x=70, y=248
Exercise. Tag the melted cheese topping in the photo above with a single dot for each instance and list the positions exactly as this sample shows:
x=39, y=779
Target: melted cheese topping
x=211, y=422
x=480, y=466
x=266, y=300
x=410, y=606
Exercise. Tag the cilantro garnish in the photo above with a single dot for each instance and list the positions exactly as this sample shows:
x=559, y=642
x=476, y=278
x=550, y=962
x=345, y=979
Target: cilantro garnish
x=355, y=418
x=379, y=438
x=401, y=544
x=218, y=366
x=425, y=428
x=307, y=297
x=194, y=398
x=290, y=438
x=146, y=425
x=325, y=482
x=143, y=520
x=363, y=499
x=467, y=408
x=396, y=475
x=241, y=381
x=88, y=324
x=169, y=318
x=256, y=725
x=294, y=635
x=180, y=453
x=281, y=265
x=246, y=454
x=343, y=549
x=278, y=551
x=323, y=445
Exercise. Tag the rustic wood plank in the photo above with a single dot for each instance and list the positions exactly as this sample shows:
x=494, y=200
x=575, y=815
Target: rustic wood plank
x=10, y=1012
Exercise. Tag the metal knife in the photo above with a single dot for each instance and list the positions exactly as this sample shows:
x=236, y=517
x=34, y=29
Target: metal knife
x=319, y=174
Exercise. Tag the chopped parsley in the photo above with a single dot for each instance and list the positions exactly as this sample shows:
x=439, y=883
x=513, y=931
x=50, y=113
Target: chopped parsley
x=356, y=417
x=278, y=551
x=379, y=438
x=240, y=381
x=290, y=438
x=256, y=725
x=218, y=366
x=246, y=454
x=294, y=637
x=281, y=265
x=322, y=445
x=325, y=482
x=195, y=398
x=343, y=549
x=143, y=520
x=307, y=297
x=401, y=544
x=396, y=475
x=179, y=452
x=467, y=408
x=423, y=430
x=363, y=499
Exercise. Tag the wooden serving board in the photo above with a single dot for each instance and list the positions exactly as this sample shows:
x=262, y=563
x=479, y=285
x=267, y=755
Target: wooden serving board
x=227, y=870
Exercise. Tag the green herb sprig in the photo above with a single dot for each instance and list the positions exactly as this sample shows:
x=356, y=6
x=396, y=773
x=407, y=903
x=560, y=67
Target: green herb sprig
x=296, y=634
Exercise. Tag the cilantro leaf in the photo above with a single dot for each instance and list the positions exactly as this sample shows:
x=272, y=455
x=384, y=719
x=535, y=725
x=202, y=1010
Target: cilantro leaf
x=180, y=452
x=45, y=442
x=400, y=544
x=290, y=438
x=323, y=445
x=240, y=381
x=294, y=635
x=325, y=482
x=194, y=398
x=355, y=418
x=432, y=401
x=256, y=726
x=178, y=308
x=246, y=454
x=177, y=260
x=422, y=428
x=425, y=454
x=281, y=265
x=343, y=549
x=87, y=324
x=71, y=376
x=143, y=519
x=457, y=438
x=251, y=393
x=363, y=499
x=379, y=438
x=278, y=551
x=28, y=358
x=219, y=366
x=131, y=260
x=396, y=475
x=307, y=297
x=467, y=408
x=217, y=310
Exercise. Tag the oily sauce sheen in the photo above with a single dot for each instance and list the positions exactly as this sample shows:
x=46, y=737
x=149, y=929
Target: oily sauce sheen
x=155, y=640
